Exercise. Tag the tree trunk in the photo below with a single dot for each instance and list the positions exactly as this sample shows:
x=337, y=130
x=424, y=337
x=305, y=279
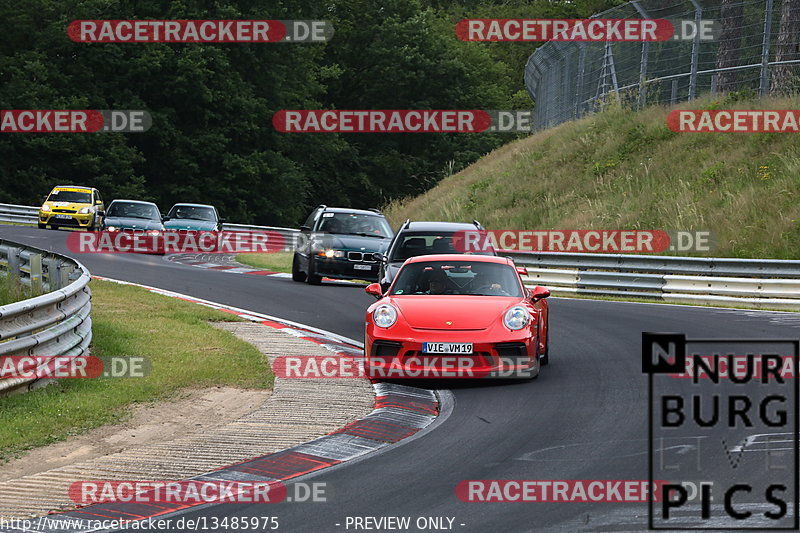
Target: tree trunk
x=730, y=43
x=783, y=77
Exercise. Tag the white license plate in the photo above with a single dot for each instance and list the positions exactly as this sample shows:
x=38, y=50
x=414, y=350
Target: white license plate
x=362, y=267
x=63, y=216
x=447, y=347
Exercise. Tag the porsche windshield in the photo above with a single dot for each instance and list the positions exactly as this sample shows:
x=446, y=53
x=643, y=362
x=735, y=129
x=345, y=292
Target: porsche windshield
x=470, y=278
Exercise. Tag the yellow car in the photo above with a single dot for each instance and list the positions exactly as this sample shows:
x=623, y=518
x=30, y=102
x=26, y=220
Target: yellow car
x=72, y=206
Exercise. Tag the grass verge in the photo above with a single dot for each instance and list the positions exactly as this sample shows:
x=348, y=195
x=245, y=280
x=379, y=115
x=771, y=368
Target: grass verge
x=623, y=169
x=276, y=262
x=11, y=290
x=185, y=352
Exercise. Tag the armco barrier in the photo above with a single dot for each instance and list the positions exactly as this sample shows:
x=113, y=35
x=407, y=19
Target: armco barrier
x=289, y=235
x=19, y=214
x=757, y=283
x=57, y=323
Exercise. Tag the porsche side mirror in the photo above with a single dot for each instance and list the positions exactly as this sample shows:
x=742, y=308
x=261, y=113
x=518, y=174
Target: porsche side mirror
x=539, y=292
x=522, y=271
x=164, y=218
x=101, y=214
x=305, y=229
x=379, y=257
x=374, y=289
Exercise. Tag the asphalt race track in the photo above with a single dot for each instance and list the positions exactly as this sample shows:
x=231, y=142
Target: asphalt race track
x=584, y=418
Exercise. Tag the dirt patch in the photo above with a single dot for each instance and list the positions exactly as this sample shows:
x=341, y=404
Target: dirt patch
x=193, y=411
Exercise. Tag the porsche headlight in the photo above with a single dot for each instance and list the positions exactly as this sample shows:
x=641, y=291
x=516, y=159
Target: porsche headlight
x=516, y=318
x=85, y=210
x=45, y=208
x=154, y=233
x=384, y=316
x=112, y=228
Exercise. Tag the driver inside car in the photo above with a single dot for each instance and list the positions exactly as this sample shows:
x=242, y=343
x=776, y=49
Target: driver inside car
x=483, y=284
x=437, y=283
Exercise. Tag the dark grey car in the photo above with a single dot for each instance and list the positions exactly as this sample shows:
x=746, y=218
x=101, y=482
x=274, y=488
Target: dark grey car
x=421, y=238
x=132, y=215
x=340, y=243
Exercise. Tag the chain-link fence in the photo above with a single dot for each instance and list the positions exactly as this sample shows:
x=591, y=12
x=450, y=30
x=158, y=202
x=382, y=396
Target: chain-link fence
x=756, y=50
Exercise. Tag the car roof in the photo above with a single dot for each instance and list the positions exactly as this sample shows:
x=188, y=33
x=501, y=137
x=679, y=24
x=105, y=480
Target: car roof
x=460, y=257
x=436, y=226
x=192, y=205
x=73, y=187
x=352, y=211
x=132, y=201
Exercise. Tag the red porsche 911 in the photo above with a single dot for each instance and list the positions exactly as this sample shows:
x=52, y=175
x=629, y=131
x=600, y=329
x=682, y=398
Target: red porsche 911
x=463, y=316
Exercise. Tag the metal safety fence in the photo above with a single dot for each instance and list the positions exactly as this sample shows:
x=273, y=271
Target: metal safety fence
x=55, y=323
x=755, y=51
x=756, y=283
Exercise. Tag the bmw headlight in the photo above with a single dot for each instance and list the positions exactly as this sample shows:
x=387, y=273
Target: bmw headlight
x=45, y=208
x=329, y=253
x=112, y=228
x=154, y=233
x=85, y=210
x=384, y=316
x=516, y=318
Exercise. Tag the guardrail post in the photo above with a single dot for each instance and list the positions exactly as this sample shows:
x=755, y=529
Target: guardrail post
x=673, y=97
x=53, y=275
x=35, y=265
x=64, y=273
x=13, y=261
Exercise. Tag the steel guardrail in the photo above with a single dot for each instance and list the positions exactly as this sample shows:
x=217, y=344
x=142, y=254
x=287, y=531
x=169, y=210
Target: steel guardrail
x=18, y=214
x=289, y=235
x=756, y=283
x=55, y=323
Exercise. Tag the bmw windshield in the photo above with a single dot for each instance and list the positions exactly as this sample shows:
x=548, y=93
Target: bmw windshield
x=133, y=210
x=354, y=224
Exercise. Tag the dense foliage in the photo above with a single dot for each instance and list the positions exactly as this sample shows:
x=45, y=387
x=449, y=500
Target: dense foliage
x=212, y=138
